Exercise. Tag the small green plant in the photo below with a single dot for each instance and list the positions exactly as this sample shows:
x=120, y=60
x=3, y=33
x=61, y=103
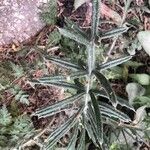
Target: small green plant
x=90, y=87
x=49, y=12
x=13, y=129
x=19, y=95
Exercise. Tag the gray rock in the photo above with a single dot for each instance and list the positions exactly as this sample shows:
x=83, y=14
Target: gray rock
x=19, y=20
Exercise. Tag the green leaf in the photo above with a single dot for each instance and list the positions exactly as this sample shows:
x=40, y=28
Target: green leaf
x=64, y=63
x=18, y=70
x=74, y=138
x=113, y=63
x=54, y=38
x=106, y=85
x=74, y=27
x=90, y=132
x=142, y=78
x=133, y=64
x=81, y=145
x=113, y=32
x=98, y=117
x=5, y=117
x=74, y=36
x=57, y=84
x=95, y=18
x=90, y=120
x=24, y=99
x=55, y=108
x=22, y=126
x=49, y=13
x=124, y=103
x=62, y=77
x=62, y=130
x=142, y=100
x=110, y=112
x=144, y=38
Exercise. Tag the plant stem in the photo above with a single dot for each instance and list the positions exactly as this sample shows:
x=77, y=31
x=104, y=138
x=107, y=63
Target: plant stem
x=91, y=67
x=91, y=49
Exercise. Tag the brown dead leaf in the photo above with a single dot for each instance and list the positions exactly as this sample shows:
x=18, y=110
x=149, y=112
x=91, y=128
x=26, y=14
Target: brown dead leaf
x=108, y=12
x=104, y=11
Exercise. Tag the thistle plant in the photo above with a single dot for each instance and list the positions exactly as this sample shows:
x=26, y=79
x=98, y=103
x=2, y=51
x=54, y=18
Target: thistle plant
x=92, y=114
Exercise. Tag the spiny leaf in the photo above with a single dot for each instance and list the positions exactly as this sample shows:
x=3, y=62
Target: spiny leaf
x=113, y=32
x=74, y=27
x=114, y=63
x=57, y=84
x=74, y=36
x=81, y=145
x=55, y=108
x=95, y=18
x=62, y=130
x=98, y=117
x=62, y=77
x=73, y=139
x=64, y=63
x=124, y=103
x=90, y=116
x=90, y=131
x=111, y=112
x=120, y=101
x=106, y=85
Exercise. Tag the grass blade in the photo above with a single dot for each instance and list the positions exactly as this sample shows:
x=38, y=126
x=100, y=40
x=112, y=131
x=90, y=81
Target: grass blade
x=55, y=108
x=74, y=36
x=106, y=85
x=64, y=63
x=113, y=63
x=62, y=130
x=98, y=117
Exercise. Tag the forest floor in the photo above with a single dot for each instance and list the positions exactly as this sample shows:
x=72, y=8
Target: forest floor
x=21, y=62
